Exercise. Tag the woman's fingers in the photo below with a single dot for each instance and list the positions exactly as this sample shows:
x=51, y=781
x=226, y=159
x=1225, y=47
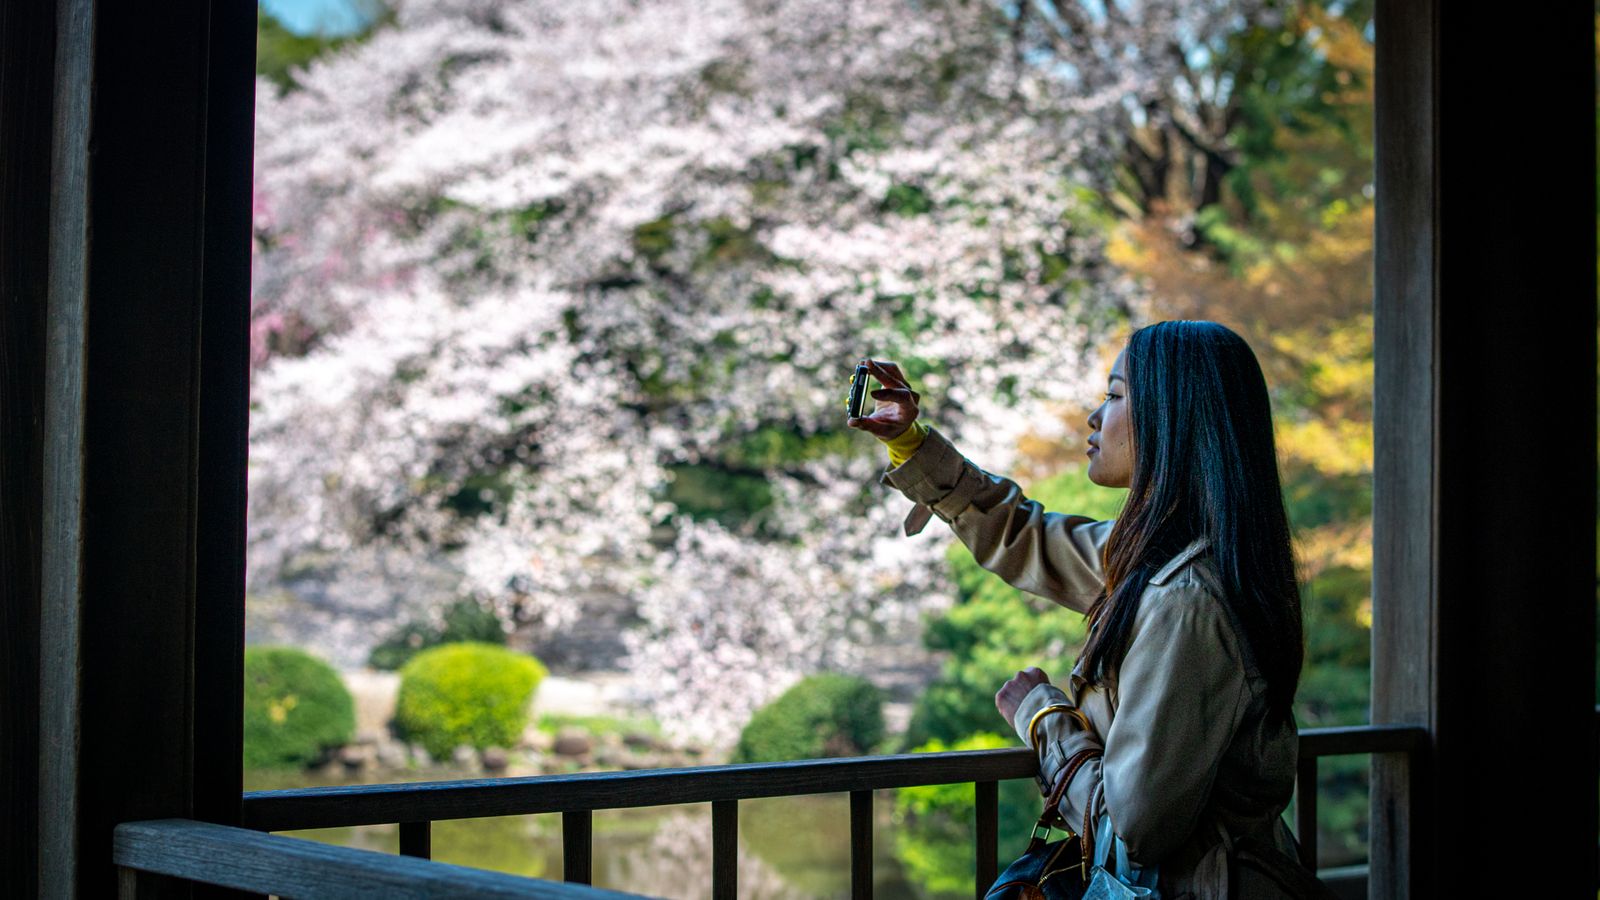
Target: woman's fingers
x=894, y=372
x=878, y=429
x=887, y=373
x=897, y=403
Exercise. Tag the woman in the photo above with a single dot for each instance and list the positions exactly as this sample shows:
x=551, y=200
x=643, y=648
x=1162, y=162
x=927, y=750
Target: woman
x=1194, y=648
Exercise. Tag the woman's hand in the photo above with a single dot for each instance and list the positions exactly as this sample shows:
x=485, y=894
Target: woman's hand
x=1012, y=692
x=896, y=403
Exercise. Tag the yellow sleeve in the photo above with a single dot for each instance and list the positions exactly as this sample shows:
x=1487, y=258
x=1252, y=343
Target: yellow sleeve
x=901, y=448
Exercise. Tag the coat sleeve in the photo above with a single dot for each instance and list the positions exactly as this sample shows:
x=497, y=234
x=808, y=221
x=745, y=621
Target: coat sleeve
x=1182, y=693
x=1059, y=736
x=1053, y=555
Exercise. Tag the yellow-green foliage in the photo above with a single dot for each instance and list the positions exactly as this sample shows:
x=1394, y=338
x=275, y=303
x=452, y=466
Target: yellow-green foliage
x=469, y=693
x=294, y=707
x=821, y=716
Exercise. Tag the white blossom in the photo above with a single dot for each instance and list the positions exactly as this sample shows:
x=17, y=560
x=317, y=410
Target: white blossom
x=514, y=262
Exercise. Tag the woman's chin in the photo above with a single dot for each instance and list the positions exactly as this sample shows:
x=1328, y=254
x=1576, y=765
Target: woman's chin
x=1099, y=477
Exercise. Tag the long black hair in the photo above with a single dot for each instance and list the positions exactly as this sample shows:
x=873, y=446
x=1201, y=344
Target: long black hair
x=1205, y=464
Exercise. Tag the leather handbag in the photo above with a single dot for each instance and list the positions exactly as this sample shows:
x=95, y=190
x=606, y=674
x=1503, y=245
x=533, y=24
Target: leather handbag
x=1048, y=871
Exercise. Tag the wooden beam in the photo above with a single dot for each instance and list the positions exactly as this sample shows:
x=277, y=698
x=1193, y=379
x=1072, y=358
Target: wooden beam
x=308, y=870
x=144, y=427
x=27, y=58
x=61, y=544
x=222, y=449
x=1404, y=504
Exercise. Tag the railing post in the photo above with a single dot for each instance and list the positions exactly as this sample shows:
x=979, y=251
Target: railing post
x=133, y=884
x=987, y=829
x=861, y=845
x=416, y=839
x=577, y=846
x=724, y=849
x=1305, y=810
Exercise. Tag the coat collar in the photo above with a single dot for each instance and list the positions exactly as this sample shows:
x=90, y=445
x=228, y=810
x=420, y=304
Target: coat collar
x=1177, y=562
x=1077, y=681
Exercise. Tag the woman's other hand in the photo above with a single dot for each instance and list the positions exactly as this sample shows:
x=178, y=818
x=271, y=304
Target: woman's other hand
x=1012, y=692
x=896, y=403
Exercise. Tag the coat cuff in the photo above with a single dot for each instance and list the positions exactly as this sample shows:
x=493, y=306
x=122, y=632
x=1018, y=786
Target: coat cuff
x=903, y=447
x=1041, y=696
x=1060, y=735
x=937, y=478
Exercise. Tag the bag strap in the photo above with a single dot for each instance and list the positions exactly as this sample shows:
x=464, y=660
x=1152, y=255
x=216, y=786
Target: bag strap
x=1052, y=811
x=1089, y=848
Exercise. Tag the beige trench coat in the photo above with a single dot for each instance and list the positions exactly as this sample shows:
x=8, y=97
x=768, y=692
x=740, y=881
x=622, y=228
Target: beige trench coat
x=1189, y=756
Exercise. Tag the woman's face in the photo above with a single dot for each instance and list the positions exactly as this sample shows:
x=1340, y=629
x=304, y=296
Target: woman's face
x=1111, y=444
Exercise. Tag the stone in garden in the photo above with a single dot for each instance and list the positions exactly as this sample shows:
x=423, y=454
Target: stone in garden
x=573, y=742
x=494, y=759
x=354, y=756
x=368, y=737
x=642, y=761
x=638, y=740
x=463, y=756
x=420, y=755
x=392, y=755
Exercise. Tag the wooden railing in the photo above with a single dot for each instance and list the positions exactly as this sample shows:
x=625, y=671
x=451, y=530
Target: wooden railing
x=414, y=807
x=239, y=858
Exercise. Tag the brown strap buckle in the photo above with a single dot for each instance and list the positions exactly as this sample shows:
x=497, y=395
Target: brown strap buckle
x=1052, y=810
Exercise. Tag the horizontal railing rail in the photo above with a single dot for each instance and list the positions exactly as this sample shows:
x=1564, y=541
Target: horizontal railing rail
x=248, y=860
x=414, y=807
x=1411, y=741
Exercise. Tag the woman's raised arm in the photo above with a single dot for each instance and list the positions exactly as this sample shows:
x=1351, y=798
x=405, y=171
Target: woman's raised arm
x=1053, y=555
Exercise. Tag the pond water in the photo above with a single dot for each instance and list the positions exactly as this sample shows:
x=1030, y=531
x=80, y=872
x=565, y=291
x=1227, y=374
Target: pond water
x=789, y=847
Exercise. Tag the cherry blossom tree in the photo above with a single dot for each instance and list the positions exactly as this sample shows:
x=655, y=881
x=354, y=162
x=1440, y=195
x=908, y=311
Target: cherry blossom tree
x=520, y=266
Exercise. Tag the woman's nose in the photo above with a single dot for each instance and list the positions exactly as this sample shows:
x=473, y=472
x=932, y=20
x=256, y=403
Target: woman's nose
x=1094, y=417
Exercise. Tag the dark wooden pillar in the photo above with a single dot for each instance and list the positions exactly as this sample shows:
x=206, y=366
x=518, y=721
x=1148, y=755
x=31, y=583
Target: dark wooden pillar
x=27, y=54
x=1484, y=506
x=125, y=192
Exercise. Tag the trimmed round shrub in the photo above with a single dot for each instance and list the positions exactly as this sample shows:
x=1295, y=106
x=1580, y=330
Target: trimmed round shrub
x=470, y=693
x=295, y=707
x=821, y=716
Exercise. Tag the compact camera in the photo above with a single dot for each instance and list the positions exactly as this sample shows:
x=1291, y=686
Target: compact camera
x=858, y=391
